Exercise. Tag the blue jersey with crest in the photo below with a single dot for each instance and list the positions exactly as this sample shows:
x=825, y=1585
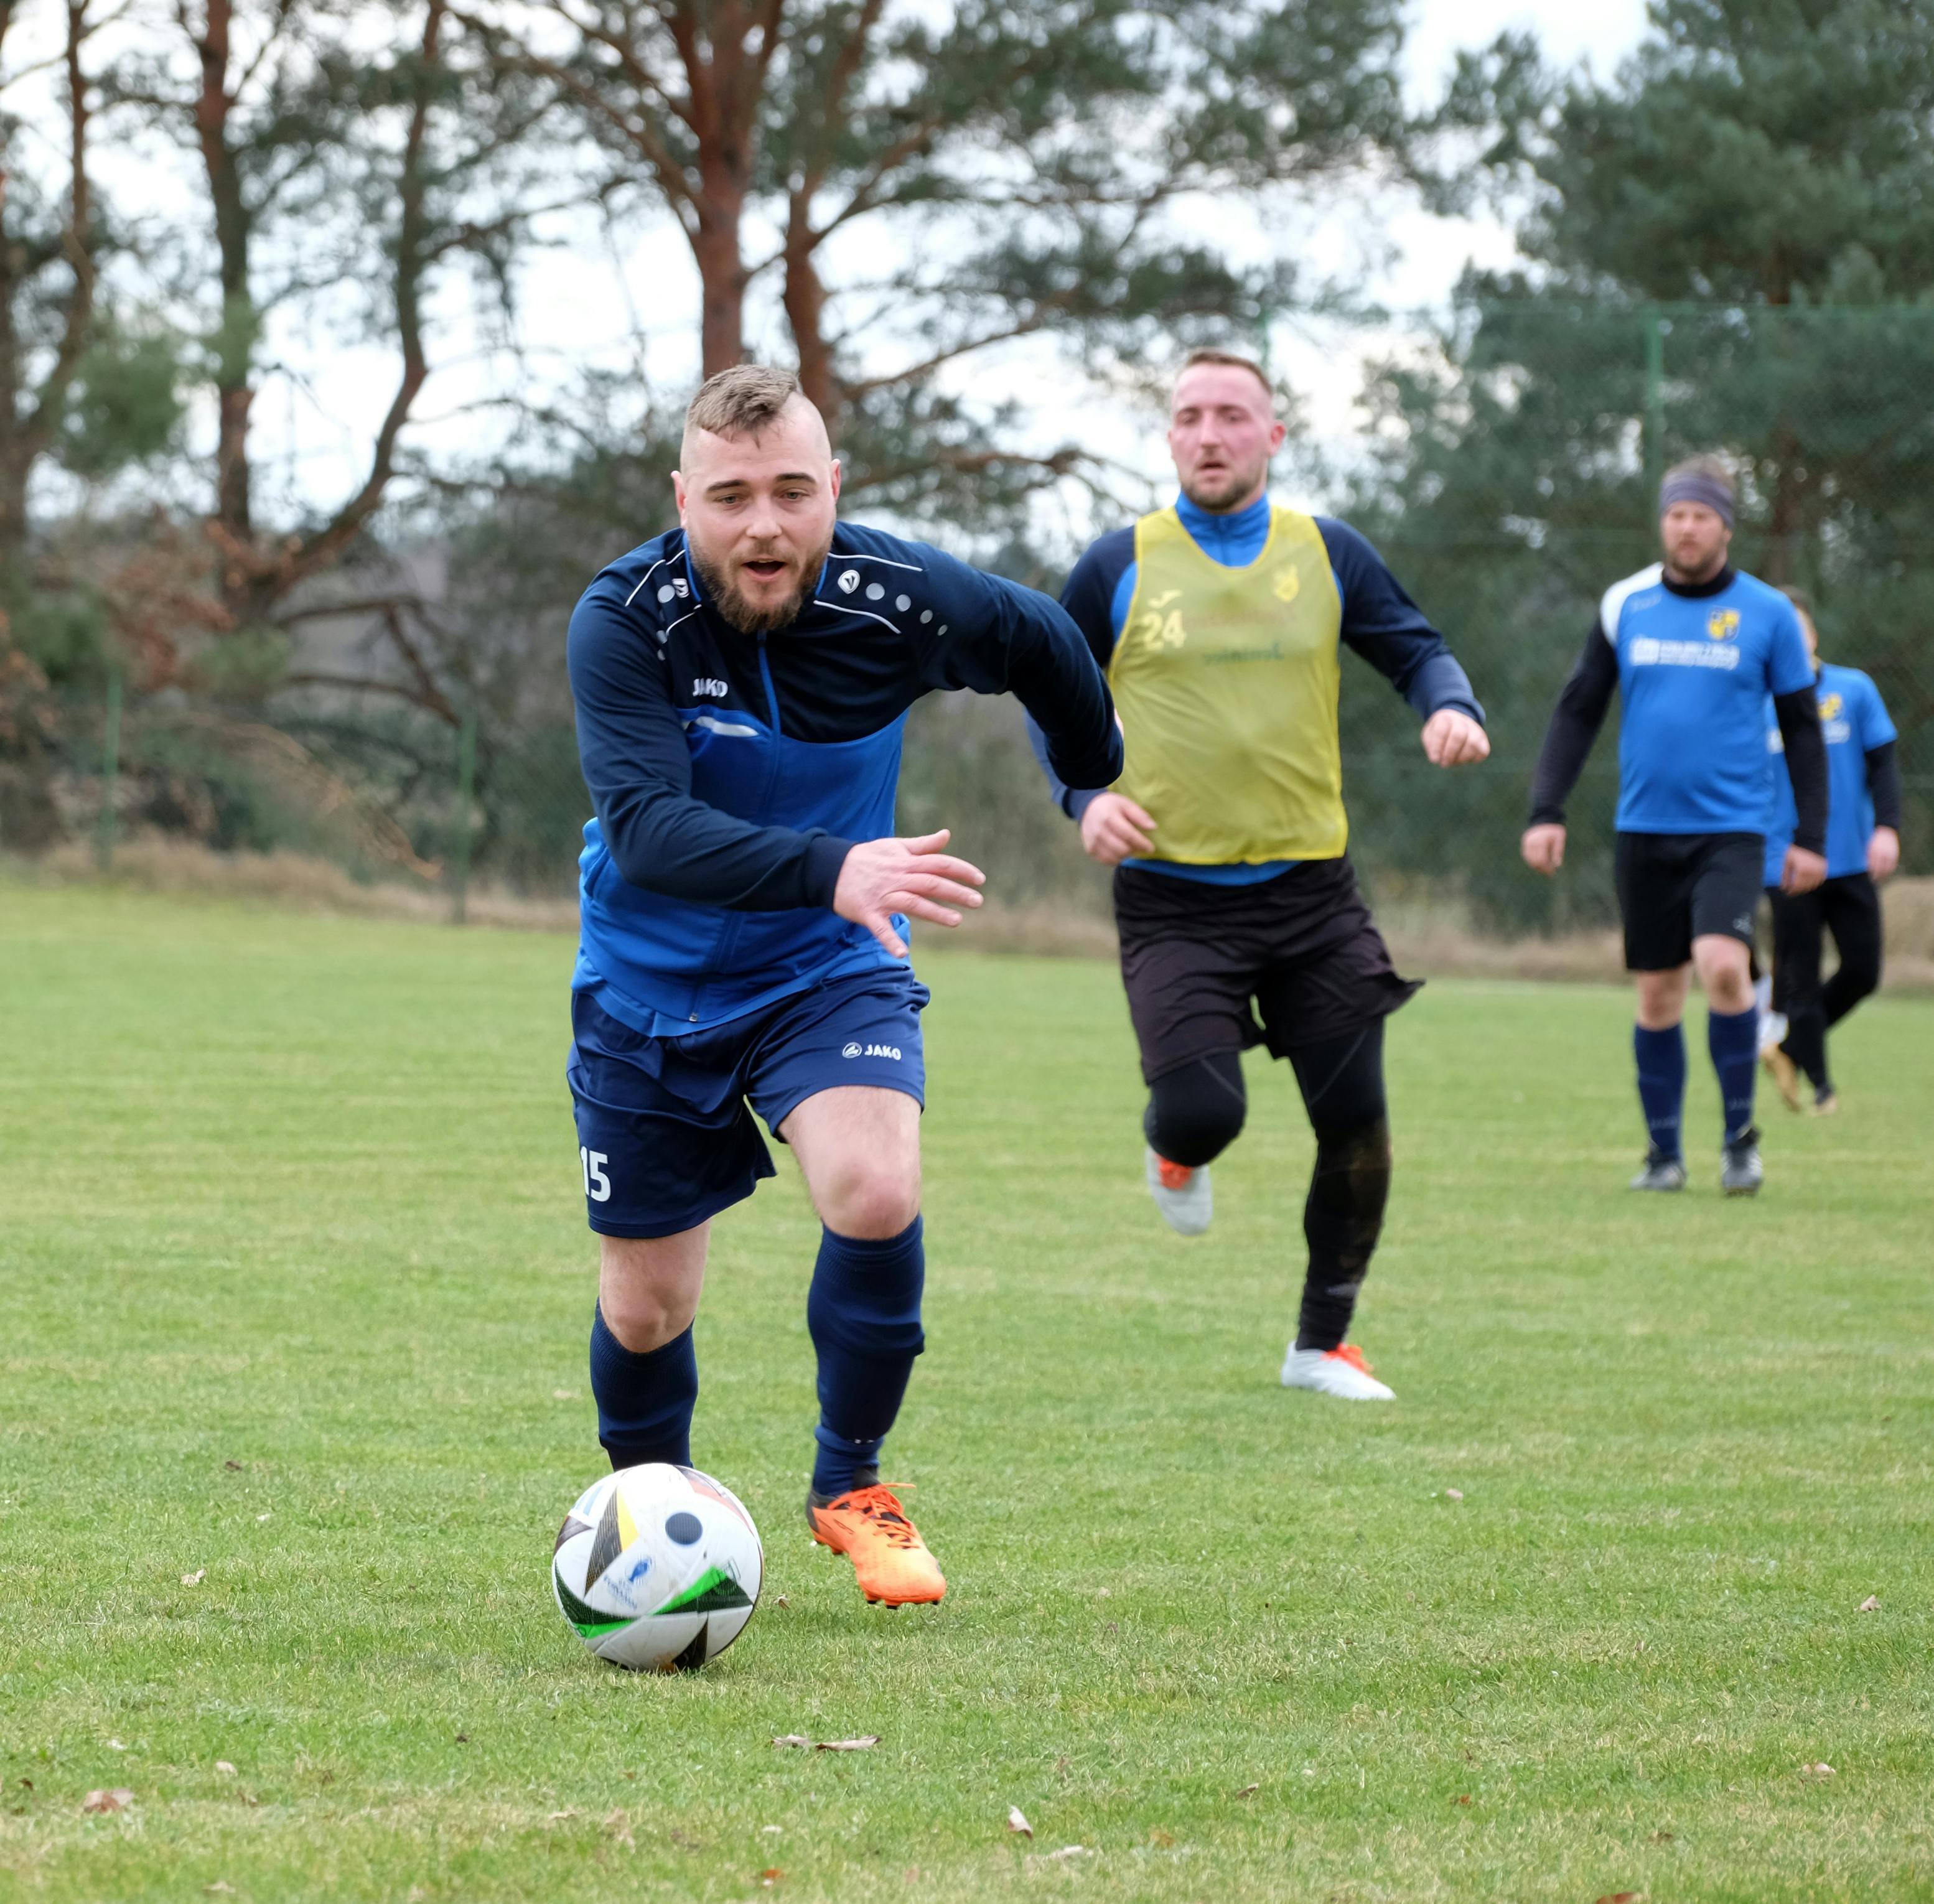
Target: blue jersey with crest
x=1695, y=671
x=1853, y=720
x=732, y=773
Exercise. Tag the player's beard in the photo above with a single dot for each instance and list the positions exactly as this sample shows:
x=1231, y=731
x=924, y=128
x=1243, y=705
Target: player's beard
x=1227, y=488
x=729, y=599
x=1693, y=566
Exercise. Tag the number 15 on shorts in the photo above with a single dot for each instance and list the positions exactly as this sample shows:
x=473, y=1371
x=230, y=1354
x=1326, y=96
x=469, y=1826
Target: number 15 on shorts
x=597, y=1184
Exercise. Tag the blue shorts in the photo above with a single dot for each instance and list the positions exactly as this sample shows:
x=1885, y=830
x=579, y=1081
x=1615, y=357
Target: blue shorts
x=665, y=1138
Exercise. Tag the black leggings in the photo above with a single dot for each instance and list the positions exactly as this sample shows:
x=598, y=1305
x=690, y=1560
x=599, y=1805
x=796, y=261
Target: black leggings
x=1849, y=909
x=1194, y=1113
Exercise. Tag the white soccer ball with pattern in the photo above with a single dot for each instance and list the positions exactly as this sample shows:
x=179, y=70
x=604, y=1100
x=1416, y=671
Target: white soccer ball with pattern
x=657, y=1568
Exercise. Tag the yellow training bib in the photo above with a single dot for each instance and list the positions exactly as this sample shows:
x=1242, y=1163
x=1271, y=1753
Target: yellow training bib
x=1226, y=680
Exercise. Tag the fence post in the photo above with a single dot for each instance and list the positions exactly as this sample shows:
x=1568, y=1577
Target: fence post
x=466, y=789
x=1654, y=398
x=110, y=774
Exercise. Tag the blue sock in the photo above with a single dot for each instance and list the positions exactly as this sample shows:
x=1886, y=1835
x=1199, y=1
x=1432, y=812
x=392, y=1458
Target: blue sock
x=644, y=1401
x=1733, y=1039
x=1661, y=1083
x=864, y=1315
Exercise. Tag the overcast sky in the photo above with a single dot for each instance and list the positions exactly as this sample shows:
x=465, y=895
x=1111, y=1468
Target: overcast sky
x=582, y=304
x=1411, y=261
x=1414, y=260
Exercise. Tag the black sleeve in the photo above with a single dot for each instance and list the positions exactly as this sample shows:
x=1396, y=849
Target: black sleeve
x=1002, y=638
x=1799, y=716
x=1089, y=595
x=1090, y=599
x=638, y=769
x=1883, y=783
x=1388, y=629
x=1582, y=706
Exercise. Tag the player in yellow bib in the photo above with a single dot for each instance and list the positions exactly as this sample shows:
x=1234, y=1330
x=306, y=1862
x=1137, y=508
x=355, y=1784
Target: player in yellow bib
x=1219, y=621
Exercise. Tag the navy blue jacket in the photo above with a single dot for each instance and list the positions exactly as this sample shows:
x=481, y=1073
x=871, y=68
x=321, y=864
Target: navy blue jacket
x=731, y=773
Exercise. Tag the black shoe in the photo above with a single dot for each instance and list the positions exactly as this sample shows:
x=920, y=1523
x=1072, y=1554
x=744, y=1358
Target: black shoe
x=1661, y=1172
x=1741, y=1172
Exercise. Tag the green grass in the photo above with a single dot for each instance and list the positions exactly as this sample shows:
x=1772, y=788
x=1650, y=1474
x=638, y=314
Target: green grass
x=293, y=1289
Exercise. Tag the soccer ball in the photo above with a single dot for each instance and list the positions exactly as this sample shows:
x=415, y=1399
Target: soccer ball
x=657, y=1568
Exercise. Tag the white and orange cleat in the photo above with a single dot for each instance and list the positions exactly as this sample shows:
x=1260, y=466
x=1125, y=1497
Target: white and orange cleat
x=1182, y=1194
x=1340, y=1372
x=890, y=1560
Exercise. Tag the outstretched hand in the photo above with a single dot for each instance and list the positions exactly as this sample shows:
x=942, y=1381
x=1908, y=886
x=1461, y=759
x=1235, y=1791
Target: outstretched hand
x=1454, y=739
x=880, y=877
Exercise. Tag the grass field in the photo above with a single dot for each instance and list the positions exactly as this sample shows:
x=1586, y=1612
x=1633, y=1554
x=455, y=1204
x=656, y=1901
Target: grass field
x=294, y=1292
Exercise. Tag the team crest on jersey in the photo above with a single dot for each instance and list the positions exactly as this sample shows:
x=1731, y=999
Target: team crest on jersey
x=1288, y=585
x=1829, y=707
x=1722, y=624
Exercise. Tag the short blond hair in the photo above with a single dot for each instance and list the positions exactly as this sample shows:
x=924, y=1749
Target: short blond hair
x=1208, y=354
x=743, y=401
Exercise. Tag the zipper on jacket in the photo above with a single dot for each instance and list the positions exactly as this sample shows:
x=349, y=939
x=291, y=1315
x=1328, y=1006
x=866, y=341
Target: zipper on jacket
x=772, y=693
x=728, y=939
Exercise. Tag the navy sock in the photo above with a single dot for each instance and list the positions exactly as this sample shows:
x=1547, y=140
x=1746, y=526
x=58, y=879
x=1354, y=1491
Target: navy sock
x=1733, y=1039
x=644, y=1401
x=1661, y=1083
x=864, y=1315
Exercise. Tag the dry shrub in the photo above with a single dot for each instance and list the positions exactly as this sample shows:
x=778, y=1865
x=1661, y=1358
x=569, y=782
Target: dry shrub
x=1427, y=938
x=1907, y=910
x=157, y=863
x=1057, y=931
x=327, y=802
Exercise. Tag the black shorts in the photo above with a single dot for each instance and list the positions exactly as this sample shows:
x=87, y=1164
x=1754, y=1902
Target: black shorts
x=1675, y=887
x=1848, y=907
x=1200, y=961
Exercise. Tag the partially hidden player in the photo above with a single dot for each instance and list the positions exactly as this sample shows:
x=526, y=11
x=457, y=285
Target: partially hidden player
x=1219, y=621
x=741, y=686
x=1693, y=649
x=1863, y=851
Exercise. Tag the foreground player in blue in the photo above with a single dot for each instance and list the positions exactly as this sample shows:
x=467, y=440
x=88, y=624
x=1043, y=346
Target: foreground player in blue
x=1862, y=850
x=741, y=686
x=1694, y=648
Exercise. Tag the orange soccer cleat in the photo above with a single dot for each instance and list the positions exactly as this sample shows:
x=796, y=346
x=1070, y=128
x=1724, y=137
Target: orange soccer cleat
x=1182, y=1194
x=890, y=1560
x=1340, y=1372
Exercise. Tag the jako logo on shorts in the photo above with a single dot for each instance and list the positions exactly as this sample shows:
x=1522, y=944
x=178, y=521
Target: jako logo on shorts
x=870, y=1051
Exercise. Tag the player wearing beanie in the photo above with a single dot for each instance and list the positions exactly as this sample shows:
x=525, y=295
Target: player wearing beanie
x=1694, y=648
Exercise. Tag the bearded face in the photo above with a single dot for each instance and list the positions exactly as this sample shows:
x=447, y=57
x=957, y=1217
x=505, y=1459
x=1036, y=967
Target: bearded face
x=758, y=512
x=760, y=586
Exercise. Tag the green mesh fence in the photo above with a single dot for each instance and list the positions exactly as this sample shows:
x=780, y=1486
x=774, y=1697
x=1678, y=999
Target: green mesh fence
x=1508, y=476
x=1520, y=482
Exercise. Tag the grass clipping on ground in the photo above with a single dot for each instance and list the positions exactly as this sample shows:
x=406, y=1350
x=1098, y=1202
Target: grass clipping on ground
x=292, y=1335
